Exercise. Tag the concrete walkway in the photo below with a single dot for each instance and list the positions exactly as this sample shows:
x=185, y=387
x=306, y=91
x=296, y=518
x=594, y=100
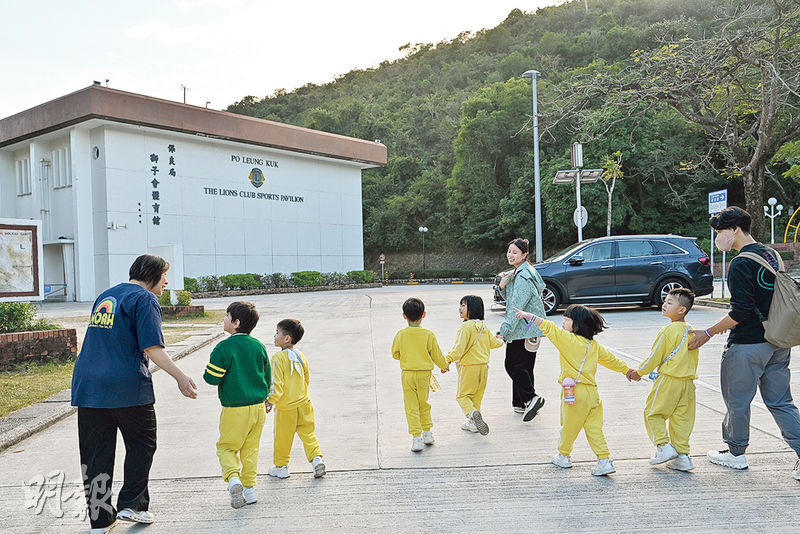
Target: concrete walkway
x=503, y=482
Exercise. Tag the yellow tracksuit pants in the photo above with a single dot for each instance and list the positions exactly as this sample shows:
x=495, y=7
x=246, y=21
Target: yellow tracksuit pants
x=673, y=399
x=416, y=386
x=586, y=414
x=239, y=438
x=291, y=421
x=471, y=386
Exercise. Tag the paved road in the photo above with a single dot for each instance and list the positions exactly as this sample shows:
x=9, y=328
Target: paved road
x=502, y=482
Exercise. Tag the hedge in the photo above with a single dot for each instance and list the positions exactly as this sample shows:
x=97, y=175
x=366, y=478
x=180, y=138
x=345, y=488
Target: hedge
x=435, y=273
x=276, y=280
x=21, y=317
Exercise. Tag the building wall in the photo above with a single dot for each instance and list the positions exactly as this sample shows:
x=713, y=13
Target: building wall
x=110, y=189
x=306, y=215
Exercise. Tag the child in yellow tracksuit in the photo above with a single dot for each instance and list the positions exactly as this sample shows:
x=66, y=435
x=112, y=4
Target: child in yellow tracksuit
x=294, y=412
x=471, y=352
x=673, y=393
x=239, y=367
x=417, y=350
x=579, y=355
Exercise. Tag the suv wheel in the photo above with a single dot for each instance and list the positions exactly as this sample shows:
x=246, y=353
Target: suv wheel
x=664, y=288
x=551, y=299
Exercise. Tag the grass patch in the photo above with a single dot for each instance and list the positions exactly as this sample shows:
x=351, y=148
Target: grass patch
x=32, y=384
x=208, y=317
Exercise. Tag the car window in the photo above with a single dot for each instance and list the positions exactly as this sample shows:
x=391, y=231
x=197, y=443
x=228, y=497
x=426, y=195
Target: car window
x=635, y=248
x=667, y=248
x=598, y=252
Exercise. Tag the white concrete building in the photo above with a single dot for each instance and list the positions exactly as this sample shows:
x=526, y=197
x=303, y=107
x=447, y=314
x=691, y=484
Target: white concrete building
x=112, y=175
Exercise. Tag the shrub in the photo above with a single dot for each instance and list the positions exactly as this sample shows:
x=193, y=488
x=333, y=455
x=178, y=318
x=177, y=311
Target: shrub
x=336, y=279
x=190, y=284
x=275, y=280
x=184, y=298
x=21, y=317
x=786, y=254
x=209, y=283
x=362, y=277
x=164, y=299
x=240, y=281
x=307, y=278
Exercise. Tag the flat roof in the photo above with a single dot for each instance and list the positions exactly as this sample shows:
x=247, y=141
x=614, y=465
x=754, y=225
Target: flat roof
x=98, y=102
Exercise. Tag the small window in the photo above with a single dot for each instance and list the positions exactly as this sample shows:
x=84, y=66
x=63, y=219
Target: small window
x=635, y=248
x=667, y=248
x=598, y=252
x=62, y=168
x=23, y=168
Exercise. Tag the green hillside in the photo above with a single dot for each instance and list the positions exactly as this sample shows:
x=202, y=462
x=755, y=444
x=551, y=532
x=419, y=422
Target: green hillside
x=455, y=116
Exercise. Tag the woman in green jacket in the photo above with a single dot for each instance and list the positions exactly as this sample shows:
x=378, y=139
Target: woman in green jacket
x=522, y=289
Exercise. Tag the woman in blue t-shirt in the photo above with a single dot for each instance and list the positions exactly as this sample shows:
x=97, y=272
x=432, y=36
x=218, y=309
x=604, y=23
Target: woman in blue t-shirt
x=113, y=389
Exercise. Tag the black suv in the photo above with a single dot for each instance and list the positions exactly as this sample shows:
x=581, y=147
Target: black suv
x=622, y=269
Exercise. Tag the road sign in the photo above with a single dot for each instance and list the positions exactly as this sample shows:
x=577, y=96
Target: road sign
x=717, y=201
x=382, y=258
x=580, y=217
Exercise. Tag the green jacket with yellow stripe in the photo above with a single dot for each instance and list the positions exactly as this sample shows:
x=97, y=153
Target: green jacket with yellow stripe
x=239, y=367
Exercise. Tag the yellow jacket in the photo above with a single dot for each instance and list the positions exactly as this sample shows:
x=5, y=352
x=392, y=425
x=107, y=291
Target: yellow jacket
x=289, y=380
x=473, y=343
x=683, y=365
x=417, y=349
x=572, y=349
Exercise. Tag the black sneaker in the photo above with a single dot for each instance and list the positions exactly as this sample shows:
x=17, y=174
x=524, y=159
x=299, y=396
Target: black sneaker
x=532, y=408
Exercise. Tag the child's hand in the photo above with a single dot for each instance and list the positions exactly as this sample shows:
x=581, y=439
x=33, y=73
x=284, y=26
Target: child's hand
x=632, y=375
x=523, y=314
x=445, y=369
x=268, y=406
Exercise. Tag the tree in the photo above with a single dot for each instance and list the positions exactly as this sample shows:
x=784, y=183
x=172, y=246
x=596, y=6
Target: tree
x=739, y=87
x=612, y=169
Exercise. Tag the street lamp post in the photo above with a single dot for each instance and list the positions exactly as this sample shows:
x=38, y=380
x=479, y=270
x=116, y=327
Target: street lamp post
x=423, y=230
x=772, y=201
x=533, y=75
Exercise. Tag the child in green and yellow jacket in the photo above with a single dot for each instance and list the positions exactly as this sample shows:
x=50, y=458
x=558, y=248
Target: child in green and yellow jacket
x=239, y=367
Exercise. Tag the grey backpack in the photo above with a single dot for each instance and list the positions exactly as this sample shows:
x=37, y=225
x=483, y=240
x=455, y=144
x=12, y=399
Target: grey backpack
x=782, y=324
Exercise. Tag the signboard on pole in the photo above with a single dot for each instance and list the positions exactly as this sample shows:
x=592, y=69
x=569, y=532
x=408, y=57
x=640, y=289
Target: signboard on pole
x=717, y=201
x=577, y=155
x=580, y=217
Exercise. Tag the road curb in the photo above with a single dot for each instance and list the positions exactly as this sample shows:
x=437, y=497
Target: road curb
x=712, y=304
x=25, y=422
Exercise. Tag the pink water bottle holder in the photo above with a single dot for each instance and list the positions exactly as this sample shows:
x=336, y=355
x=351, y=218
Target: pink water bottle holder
x=568, y=385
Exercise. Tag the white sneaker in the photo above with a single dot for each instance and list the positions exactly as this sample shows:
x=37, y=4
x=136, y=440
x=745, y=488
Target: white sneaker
x=796, y=472
x=532, y=408
x=427, y=437
x=604, y=467
x=562, y=461
x=469, y=426
x=664, y=453
x=279, y=471
x=319, y=466
x=727, y=459
x=518, y=409
x=135, y=516
x=479, y=423
x=103, y=530
x=681, y=463
x=236, y=491
x=416, y=444
x=250, y=496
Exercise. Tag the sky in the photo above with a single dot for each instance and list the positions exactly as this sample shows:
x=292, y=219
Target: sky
x=222, y=50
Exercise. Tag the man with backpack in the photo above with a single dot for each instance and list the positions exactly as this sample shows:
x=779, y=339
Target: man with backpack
x=749, y=359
